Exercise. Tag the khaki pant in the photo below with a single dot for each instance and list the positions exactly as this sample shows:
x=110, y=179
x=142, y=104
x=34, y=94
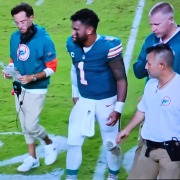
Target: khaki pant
x=29, y=113
x=137, y=153
x=136, y=156
x=158, y=163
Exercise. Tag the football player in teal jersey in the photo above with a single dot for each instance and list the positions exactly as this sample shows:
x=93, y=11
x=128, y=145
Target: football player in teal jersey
x=164, y=30
x=99, y=88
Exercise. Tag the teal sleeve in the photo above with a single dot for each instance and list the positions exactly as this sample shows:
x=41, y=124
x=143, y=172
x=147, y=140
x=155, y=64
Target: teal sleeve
x=50, y=52
x=139, y=66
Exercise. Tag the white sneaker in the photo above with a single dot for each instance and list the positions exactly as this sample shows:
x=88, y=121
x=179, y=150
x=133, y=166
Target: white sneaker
x=51, y=154
x=112, y=177
x=29, y=163
x=71, y=177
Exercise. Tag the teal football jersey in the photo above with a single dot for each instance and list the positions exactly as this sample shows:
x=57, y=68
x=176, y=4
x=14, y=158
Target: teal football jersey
x=94, y=76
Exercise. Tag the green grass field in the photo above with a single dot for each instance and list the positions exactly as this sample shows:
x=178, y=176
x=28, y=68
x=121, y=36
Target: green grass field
x=116, y=18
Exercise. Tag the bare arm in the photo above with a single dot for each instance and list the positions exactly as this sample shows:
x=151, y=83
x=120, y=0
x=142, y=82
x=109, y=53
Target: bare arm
x=118, y=69
x=50, y=69
x=28, y=78
x=137, y=119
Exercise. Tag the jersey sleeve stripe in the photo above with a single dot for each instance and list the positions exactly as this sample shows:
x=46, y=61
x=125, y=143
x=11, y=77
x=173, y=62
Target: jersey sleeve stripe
x=117, y=47
x=114, y=55
x=52, y=64
x=11, y=61
x=115, y=51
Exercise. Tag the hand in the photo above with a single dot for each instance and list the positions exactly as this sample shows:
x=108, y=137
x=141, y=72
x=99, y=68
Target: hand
x=6, y=75
x=113, y=118
x=25, y=79
x=122, y=135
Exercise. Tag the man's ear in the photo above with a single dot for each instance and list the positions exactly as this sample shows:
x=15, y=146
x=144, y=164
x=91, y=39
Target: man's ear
x=171, y=20
x=162, y=65
x=90, y=30
x=31, y=17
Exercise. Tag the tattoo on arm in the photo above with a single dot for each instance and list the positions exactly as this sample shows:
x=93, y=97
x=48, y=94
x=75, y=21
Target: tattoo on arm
x=118, y=70
x=117, y=67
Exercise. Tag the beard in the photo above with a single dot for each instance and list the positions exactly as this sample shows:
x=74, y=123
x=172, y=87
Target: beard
x=25, y=37
x=80, y=40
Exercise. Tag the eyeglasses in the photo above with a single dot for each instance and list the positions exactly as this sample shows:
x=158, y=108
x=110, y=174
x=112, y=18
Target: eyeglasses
x=22, y=23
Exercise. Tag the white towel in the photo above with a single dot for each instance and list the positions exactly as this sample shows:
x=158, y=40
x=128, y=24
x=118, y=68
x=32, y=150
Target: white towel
x=88, y=120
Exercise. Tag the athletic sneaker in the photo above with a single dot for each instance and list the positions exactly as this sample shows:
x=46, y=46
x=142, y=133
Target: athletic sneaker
x=71, y=177
x=112, y=177
x=51, y=153
x=28, y=164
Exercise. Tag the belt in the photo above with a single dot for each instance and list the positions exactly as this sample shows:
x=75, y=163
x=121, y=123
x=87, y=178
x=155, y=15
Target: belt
x=151, y=145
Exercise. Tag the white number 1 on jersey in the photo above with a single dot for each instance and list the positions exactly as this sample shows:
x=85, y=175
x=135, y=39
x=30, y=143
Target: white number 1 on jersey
x=82, y=74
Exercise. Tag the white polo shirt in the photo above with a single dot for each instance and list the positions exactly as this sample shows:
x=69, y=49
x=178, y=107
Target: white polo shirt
x=162, y=110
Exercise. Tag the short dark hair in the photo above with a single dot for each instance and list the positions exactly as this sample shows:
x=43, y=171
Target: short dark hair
x=87, y=17
x=164, y=51
x=22, y=7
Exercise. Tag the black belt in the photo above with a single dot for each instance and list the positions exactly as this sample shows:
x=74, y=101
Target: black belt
x=151, y=145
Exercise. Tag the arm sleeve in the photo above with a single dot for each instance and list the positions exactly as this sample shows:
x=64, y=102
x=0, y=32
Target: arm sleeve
x=50, y=57
x=11, y=63
x=75, y=91
x=49, y=51
x=139, y=66
x=11, y=60
x=141, y=106
x=115, y=48
x=52, y=65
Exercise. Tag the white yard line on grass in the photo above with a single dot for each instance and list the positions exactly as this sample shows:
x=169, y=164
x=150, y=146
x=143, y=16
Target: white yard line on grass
x=133, y=34
x=1, y=143
x=129, y=156
x=89, y=1
x=54, y=175
x=100, y=168
x=39, y=2
x=9, y=133
x=61, y=143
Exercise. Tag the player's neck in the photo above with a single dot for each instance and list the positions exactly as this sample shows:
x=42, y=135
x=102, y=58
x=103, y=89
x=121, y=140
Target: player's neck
x=91, y=40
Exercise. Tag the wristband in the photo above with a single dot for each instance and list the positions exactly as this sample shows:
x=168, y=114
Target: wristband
x=119, y=106
x=48, y=72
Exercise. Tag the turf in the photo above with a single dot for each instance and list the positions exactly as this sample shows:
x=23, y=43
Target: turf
x=116, y=19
